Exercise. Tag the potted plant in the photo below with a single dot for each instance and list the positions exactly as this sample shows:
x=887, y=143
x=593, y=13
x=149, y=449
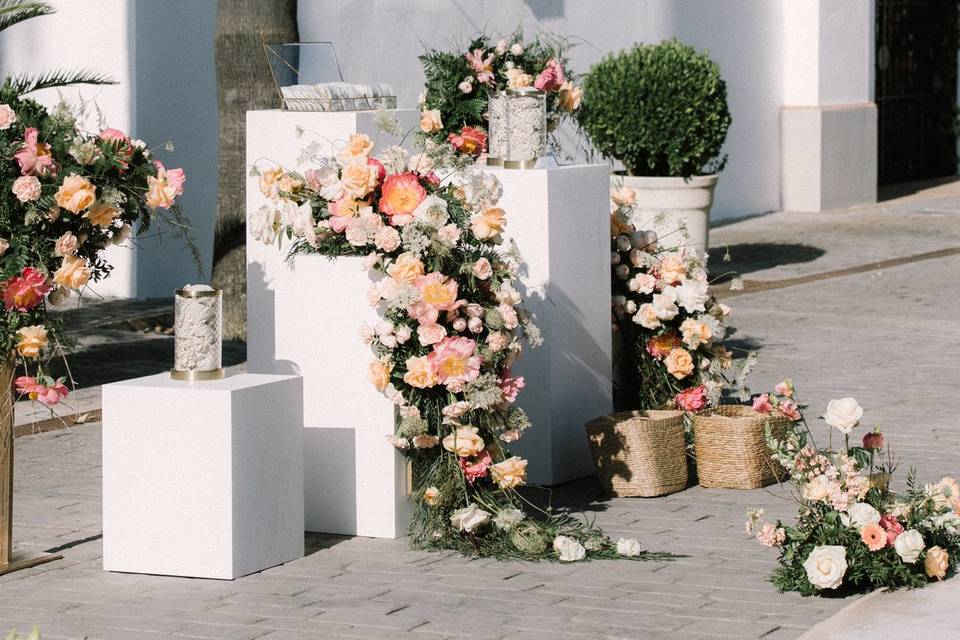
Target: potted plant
x=661, y=111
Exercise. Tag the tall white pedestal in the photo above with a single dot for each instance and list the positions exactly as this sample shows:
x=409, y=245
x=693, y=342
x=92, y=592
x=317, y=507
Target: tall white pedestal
x=305, y=319
x=202, y=479
x=560, y=220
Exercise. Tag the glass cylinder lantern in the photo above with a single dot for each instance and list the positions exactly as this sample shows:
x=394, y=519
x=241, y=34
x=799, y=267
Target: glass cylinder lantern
x=518, y=128
x=198, y=330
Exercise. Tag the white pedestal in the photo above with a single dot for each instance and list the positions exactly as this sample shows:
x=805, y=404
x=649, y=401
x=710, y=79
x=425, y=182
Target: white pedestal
x=560, y=220
x=202, y=479
x=306, y=320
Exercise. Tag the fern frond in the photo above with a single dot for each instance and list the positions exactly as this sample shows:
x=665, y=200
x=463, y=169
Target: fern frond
x=26, y=83
x=16, y=11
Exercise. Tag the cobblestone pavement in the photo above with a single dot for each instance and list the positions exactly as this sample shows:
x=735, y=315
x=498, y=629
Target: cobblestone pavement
x=889, y=338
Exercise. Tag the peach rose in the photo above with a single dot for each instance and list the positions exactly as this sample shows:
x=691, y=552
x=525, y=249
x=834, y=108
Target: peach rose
x=624, y=196
x=406, y=268
x=425, y=441
x=510, y=473
x=430, y=121
x=76, y=193
x=358, y=178
x=26, y=188
x=420, y=373
x=936, y=563
x=695, y=333
x=73, y=273
x=464, y=442
x=102, y=214
x=570, y=96
x=517, y=79
x=359, y=145
x=431, y=496
x=489, y=224
x=66, y=245
x=679, y=363
x=482, y=269
x=672, y=268
x=270, y=182
x=32, y=340
x=379, y=373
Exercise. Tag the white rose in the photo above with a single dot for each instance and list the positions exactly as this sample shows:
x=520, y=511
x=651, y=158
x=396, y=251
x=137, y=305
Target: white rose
x=629, y=547
x=569, y=549
x=825, y=566
x=663, y=304
x=844, y=414
x=507, y=518
x=860, y=515
x=432, y=211
x=817, y=488
x=908, y=545
x=469, y=518
x=516, y=49
x=692, y=295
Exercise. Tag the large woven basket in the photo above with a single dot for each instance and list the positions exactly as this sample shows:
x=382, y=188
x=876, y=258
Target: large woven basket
x=639, y=453
x=731, y=449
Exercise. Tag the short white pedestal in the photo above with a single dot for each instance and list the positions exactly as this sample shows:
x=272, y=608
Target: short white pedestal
x=560, y=220
x=305, y=319
x=202, y=479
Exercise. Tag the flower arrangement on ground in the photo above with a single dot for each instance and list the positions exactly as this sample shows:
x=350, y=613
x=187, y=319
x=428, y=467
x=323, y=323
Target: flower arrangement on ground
x=670, y=328
x=852, y=532
x=452, y=327
x=459, y=85
x=69, y=195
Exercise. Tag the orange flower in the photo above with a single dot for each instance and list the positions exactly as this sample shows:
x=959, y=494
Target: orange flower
x=470, y=140
x=401, y=195
x=874, y=537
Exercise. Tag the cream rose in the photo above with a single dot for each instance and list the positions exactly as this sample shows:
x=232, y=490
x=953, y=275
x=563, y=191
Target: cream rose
x=469, y=519
x=825, y=566
x=32, y=340
x=7, y=116
x=843, y=414
x=568, y=549
x=482, y=269
x=464, y=442
x=430, y=121
x=936, y=563
x=510, y=473
x=517, y=79
x=909, y=545
x=695, y=333
x=26, y=188
x=859, y=515
x=73, y=273
x=420, y=373
x=76, y=193
x=66, y=245
x=624, y=196
x=816, y=489
x=489, y=224
x=101, y=214
x=646, y=316
x=406, y=268
x=359, y=145
x=679, y=363
x=628, y=547
x=672, y=268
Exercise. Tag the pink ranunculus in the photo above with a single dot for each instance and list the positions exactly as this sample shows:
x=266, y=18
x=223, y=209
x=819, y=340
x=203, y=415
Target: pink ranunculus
x=892, y=526
x=692, y=399
x=35, y=157
x=789, y=409
x=24, y=292
x=477, y=468
x=762, y=404
x=455, y=361
x=551, y=78
x=114, y=135
x=437, y=293
x=510, y=386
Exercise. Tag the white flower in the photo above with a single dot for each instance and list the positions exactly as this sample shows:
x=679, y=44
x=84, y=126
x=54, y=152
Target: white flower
x=501, y=47
x=507, y=518
x=825, y=566
x=402, y=333
x=432, y=211
x=908, y=545
x=264, y=224
x=844, y=414
x=568, y=549
x=516, y=49
x=449, y=235
x=949, y=522
x=692, y=295
x=816, y=489
x=664, y=305
x=465, y=87
x=629, y=547
x=469, y=518
x=859, y=515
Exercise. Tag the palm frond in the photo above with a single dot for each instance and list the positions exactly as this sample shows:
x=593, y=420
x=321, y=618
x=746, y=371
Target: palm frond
x=16, y=11
x=26, y=83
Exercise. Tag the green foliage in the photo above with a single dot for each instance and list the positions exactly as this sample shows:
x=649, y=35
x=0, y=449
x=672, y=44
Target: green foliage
x=15, y=11
x=661, y=110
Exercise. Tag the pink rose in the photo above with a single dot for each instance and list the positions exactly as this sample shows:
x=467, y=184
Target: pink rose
x=761, y=404
x=892, y=526
x=26, y=188
x=482, y=269
x=477, y=468
x=7, y=116
x=66, y=245
x=431, y=333
x=551, y=78
x=692, y=399
x=789, y=409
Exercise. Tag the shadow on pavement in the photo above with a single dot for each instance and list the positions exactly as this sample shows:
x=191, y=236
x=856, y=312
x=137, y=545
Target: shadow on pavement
x=747, y=258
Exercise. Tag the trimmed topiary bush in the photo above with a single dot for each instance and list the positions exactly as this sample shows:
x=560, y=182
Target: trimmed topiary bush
x=661, y=110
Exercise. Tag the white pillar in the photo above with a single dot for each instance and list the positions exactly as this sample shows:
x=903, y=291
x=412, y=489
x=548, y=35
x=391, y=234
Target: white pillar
x=828, y=123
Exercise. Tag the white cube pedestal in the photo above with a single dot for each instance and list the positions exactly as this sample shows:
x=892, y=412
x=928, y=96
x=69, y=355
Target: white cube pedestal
x=560, y=219
x=202, y=479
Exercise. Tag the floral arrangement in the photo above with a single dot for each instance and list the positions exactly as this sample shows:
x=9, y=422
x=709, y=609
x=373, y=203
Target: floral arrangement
x=459, y=85
x=70, y=195
x=452, y=327
x=670, y=328
x=853, y=533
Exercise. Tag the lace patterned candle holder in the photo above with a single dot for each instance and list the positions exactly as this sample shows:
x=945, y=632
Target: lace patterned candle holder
x=198, y=345
x=518, y=128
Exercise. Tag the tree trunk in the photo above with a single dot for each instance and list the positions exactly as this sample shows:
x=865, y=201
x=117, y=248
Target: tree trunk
x=244, y=83
x=6, y=460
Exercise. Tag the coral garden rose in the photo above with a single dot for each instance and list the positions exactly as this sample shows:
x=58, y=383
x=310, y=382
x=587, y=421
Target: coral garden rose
x=406, y=268
x=672, y=268
x=26, y=188
x=76, y=193
x=430, y=120
x=32, y=340
x=73, y=273
x=24, y=292
x=7, y=117
x=469, y=518
x=843, y=414
x=909, y=545
x=455, y=361
x=400, y=195
x=379, y=373
x=693, y=399
x=679, y=363
x=874, y=537
x=936, y=563
x=488, y=224
x=102, y=214
x=464, y=442
x=510, y=473
x=470, y=141
x=420, y=373
x=34, y=157
x=66, y=245
x=568, y=549
x=826, y=565
x=359, y=145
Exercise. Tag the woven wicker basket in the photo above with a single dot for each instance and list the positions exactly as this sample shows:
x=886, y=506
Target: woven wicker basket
x=731, y=449
x=639, y=453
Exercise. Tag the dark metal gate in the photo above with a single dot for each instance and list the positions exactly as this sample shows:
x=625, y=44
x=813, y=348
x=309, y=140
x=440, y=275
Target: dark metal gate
x=916, y=89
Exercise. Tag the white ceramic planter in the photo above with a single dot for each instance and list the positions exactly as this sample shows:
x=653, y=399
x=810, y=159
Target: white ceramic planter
x=666, y=205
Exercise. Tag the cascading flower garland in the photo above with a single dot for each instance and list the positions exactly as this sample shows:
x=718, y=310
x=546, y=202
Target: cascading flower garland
x=453, y=325
x=68, y=196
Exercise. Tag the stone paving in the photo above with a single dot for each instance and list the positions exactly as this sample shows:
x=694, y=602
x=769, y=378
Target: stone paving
x=890, y=338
